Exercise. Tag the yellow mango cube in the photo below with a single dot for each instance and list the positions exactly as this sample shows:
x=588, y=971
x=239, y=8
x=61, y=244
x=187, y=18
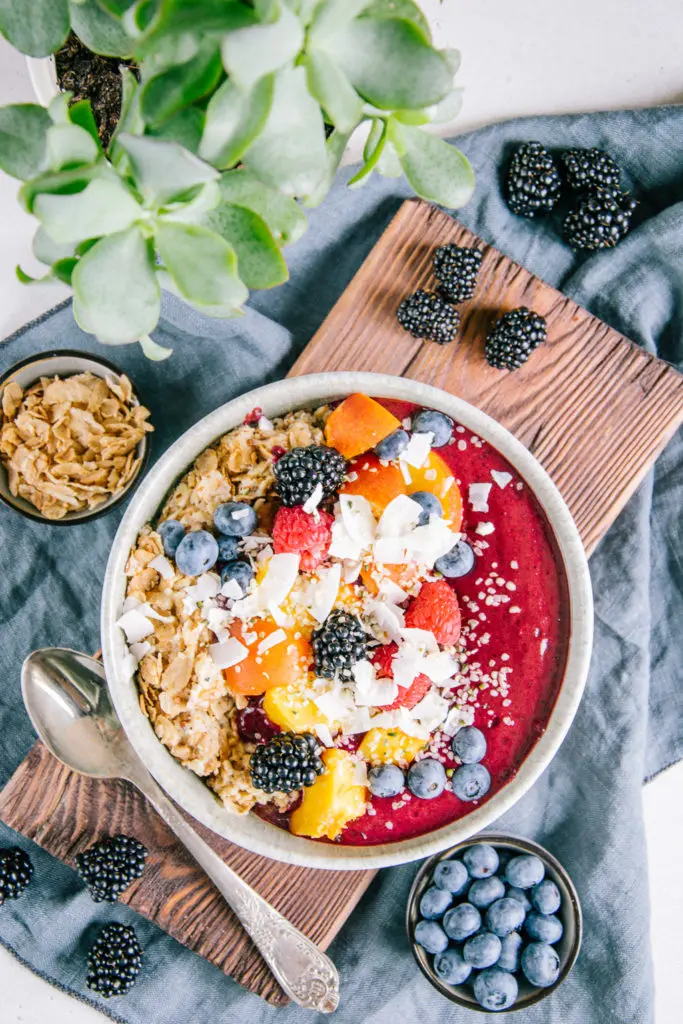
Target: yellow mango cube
x=291, y=710
x=332, y=801
x=390, y=746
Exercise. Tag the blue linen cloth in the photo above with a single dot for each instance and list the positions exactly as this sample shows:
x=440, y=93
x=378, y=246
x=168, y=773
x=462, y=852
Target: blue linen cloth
x=587, y=806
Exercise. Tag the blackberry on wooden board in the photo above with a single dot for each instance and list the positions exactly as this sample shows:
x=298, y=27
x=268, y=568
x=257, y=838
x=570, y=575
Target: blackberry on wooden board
x=514, y=337
x=299, y=470
x=114, y=961
x=456, y=269
x=533, y=182
x=429, y=317
x=110, y=866
x=286, y=763
x=16, y=871
x=338, y=645
x=600, y=220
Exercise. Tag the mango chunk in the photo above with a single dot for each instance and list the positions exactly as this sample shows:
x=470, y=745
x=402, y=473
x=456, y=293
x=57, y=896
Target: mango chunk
x=390, y=746
x=284, y=663
x=287, y=707
x=332, y=801
x=358, y=424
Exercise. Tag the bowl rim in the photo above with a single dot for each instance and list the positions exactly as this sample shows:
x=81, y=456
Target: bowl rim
x=146, y=443
x=524, y=845
x=190, y=792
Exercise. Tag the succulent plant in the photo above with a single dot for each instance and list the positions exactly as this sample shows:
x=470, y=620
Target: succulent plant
x=241, y=115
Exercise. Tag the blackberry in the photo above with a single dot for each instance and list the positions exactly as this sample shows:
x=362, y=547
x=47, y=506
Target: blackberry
x=428, y=316
x=16, y=871
x=338, y=645
x=114, y=961
x=456, y=269
x=600, y=220
x=590, y=168
x=513, y=338
x=299, y=470
x=109, y=867
x=533, y=181
x=286, y=763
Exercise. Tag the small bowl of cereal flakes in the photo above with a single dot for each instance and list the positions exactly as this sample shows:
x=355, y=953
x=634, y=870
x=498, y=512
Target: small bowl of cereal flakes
x=74, y=437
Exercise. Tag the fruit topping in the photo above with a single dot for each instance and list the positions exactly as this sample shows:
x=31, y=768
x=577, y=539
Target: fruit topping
x=288, y=708
x=239, y=571
x=428, y=316
x=301, y=471
x=389, y=746
x=273, y=656
x=235, y=519
x=408, y=696
x=385, y=780
x=16, y=871
x=600, y=220
x=334, y=799
x=286, y=763
x=196, y=553
x=358, y=424
x=533, y=181
x=307, y=533
x=590, y=168
x=435, y=609
x=171, y=533
x=391, y=447
x=114, y=961
x=430, y=504
x=427, y=778
x=513, y=338
x=109, y=867
x=456, y=269
x=471, y=781
x=338, y=645
x=457, y=562
x=429, y=421
x=469, y=744
x=228, y=547
x=379, y=484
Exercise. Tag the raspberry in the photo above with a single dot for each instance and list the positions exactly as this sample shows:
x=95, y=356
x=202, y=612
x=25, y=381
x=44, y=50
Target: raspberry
x=436, y=608
x=254, y=416
x=408, y=696
x=308, y=533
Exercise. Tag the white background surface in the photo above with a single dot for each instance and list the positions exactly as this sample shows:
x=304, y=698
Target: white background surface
x=531, y=57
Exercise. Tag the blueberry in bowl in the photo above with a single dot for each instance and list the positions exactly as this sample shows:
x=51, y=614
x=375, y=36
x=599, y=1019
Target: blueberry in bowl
x=494, y=923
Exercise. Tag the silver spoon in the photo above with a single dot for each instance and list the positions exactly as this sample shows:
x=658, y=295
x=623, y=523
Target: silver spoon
x=66, y=696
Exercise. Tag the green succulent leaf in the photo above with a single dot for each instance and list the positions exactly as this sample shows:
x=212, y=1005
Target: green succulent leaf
x=104, y=207
x=131, y=120
x=164, y=171
x=80, y=113
x=283, y=215
x=99, y=29
x=175, y=17
x=447, y=110
x=452, y=58
x=171, y=91
x=69, y=145
x=234, y=119
x=59, y=108
x=62, y=270
x=117, y=7
x=399, y=9
x=250, y=53
x=116, y=292
x=193, y=211
x=335, y=147
x=48, y=251
x=389, y=165
x=203, y=267
x=305, y=9
x=63, y=183
x=186, y=128
x=23, y=137
x=39, y=30
x=332, y=17
x=333, y=91
x=290, y=154
x=259, y=259
x=267, y=10
x=436, y=170
x=153, y=350
x=372, y=152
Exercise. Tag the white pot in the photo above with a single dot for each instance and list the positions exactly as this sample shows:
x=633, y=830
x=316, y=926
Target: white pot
x=186, y=788
x=43, y=74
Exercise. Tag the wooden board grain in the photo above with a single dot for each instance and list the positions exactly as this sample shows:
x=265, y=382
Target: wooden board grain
x=596, y=411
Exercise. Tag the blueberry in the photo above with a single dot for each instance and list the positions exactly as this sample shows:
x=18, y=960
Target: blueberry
x=451, y=875
x=525, y=871
x=437, y=423
x=471, y=781
x=227, y=547
x=196, y=553
x=544, y=927
x=430, y=504
x=511, y=951
x=391, y=447
x=540, y=964
x=434, y=903
x=431, y=936
x=469, y=744
x=546, y=897
x=481, y=860
x=239, y=571
x=235, y=518
x=484, y=891
x=505, y=916
x=386, y=780
x=461, y=922
x=456, y=562
x=518, y=894
x=495, y=989
x=427, y=778
x=171, y=533
x=451, y=967
x=482, y=950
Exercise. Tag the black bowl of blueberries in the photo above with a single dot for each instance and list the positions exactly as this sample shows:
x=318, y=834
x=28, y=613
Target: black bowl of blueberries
x=494, y=923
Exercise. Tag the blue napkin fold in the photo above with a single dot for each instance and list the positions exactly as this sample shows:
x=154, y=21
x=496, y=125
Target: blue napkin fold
x=586, y=808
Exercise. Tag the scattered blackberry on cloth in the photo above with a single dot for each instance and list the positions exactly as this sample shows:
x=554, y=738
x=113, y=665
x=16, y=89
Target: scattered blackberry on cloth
x=428, y=316
x=533, y=181
x=109, y=867
x=299, y=470
x=591, y=168
x=514, y=337
x=600, y=221
x=16, y=871
x=114, y=961
x=456, y=269
x=338, y=644
x=286, y=763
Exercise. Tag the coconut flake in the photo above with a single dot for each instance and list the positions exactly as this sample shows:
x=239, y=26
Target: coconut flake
x=391, y=591
x=278, y=636
x=388, y=617
x=390, y=551
x=417, y=450
x=135, y=625
x=216, y=619
x=228, y=653
x=479, y=497
x=163, y=567
x=208, y=585
x=232, y=589
x=500, y=478
x=264, y=424
x=358, y=519
x=457, y=718
x=139, y=650
x=405, y=471
x=484, y=529
x=280, y=577
x=360, y=773
x=311, y=504
x=321, y=592
x=351, y=571
x=324, y=735
x=399, y=517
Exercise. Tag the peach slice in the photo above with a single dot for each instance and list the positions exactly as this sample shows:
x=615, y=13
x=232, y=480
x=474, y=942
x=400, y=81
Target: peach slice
x=334, y=799
x=358, y=424
x=281, y=665
x=380, y=484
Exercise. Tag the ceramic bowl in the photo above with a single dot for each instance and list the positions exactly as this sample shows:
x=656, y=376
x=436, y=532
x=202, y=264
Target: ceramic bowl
x=569, y=913
x=187, y=789
x=66, y=363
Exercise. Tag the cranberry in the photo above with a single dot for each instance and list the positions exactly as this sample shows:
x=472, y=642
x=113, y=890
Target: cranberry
x=253, y=723
x=254, y=416
x=276, y=452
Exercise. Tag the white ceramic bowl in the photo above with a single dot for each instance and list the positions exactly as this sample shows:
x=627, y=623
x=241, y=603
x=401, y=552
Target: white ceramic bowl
x=186, y=788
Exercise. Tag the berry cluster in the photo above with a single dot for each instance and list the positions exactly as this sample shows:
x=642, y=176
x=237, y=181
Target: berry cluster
x=286, y=763
x=338, y=645
x=109, y=867
x=430, y=315
x=114, y=961
x=300, y=470
x=16, y=871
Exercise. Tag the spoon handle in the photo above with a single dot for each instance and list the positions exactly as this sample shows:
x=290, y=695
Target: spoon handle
x=304, y=972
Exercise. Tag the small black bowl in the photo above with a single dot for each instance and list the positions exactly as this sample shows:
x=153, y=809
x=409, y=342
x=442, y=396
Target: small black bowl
x=569, y=913
x=66, y=363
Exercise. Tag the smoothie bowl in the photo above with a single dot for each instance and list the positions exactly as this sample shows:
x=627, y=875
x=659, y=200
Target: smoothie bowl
x=347, y=620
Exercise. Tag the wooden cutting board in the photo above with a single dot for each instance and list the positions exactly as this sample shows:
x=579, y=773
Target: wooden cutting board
x=595, y=410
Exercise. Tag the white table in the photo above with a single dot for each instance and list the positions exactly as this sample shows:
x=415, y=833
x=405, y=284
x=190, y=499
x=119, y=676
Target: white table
x=526, y=58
